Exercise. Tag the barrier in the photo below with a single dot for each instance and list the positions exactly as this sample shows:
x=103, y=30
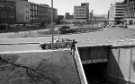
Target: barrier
x=121, y=67
x=80, y=66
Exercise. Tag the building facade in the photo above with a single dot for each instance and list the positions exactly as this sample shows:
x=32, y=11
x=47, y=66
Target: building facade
x=68, y=16
x=98, y=20
x=60, y=19
x=41, y=13
x=117, y=13
x=34, y=13
x=81, y=12
x=7, y=12
x=22, y=12
x=26, y=12
x=130, y=15
x=55, y=14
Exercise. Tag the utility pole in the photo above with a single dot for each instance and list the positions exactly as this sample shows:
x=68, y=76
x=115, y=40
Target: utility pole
x=52, y=23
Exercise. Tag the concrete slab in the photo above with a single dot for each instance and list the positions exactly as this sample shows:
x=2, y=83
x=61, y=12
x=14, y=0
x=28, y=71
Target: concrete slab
x=40, y=67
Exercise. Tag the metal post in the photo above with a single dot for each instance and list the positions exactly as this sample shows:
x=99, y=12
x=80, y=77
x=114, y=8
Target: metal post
x=52, y=23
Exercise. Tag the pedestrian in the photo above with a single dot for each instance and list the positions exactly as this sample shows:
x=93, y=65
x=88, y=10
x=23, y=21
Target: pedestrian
x=73, y=45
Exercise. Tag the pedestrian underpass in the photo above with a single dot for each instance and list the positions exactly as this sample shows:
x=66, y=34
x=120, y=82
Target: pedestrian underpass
x=95, y=61
x=95, y=73
x=102, y=64
x=109, y=64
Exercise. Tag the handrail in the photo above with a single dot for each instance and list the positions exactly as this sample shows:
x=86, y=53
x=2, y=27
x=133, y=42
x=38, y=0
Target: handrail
x=80, y=66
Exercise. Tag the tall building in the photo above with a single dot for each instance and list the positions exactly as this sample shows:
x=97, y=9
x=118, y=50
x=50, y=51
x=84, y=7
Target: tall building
x=22, y=11
x=43, y=14
x=130, y=15
x=60, y=19
x=28, y=12
x=117, y=13
x=91, y=17
x=81, y=12
x=55, y=14
x=7, y=12
x=34, y=13
x=39, y=13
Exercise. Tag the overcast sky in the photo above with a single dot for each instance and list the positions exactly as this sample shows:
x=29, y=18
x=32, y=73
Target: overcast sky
x=99, y=6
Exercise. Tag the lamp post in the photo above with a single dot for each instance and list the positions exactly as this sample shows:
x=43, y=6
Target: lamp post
x=52, y=24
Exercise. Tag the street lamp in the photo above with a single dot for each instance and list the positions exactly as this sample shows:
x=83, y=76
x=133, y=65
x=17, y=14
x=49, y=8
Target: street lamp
x=52, y=24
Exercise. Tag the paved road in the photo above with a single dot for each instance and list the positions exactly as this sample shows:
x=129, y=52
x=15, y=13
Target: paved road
x=104, y=37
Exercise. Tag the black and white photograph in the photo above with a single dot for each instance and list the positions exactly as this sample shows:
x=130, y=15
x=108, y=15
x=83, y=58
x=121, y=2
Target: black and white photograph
x=67, y=41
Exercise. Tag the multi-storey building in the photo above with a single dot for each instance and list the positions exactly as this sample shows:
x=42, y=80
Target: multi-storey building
x=55, y=15
x=22, y=12
x=7, y=12
x=41, y=13
x=34, y=13
x=130, y=15
x=27, y=12
x=117, y=13
x=44, y=13
x=91, y=17
x=81, y=12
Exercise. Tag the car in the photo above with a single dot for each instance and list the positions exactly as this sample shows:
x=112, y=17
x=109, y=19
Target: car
x=66, y=29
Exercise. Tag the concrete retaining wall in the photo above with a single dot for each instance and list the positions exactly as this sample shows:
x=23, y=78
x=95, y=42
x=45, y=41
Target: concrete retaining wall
x=93, y=54
x=121, y=65
x=121, y=61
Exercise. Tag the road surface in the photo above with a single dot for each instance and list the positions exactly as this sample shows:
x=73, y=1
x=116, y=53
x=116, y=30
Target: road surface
x=104, y=37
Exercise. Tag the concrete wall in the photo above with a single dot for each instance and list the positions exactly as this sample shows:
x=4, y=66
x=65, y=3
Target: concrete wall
x=93, y=54
x=121, y=65
x=121, y=62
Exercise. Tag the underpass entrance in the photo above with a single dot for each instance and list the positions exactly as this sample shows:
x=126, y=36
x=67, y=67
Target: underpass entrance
x=95, y=60
x=95, y=73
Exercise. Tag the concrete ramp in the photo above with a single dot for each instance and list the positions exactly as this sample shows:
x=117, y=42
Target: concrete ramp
x=41, y=67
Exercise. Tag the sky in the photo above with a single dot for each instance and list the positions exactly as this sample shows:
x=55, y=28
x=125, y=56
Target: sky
x=100, y=7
